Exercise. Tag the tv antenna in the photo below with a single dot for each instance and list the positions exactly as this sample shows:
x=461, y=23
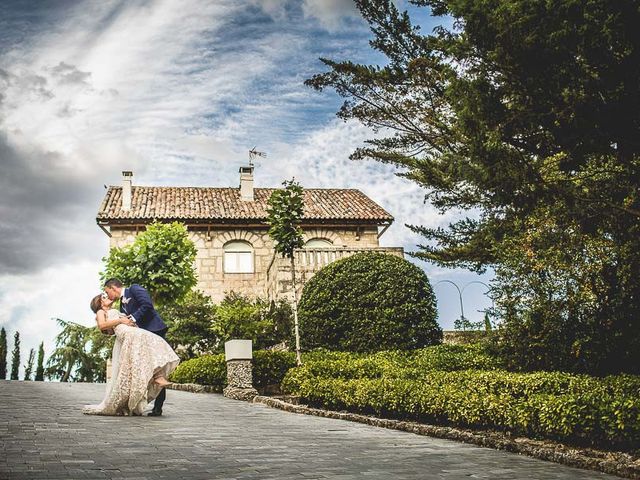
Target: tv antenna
x=253, y=153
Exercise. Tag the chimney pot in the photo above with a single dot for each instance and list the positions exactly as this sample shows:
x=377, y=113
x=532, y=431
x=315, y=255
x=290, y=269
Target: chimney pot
x=127, y=179
x=246, y=183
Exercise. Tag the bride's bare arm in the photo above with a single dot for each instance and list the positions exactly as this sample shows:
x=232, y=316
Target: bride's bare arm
x=104, y=324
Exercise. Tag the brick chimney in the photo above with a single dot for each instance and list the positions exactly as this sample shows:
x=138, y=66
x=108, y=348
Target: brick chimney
x=246, y=183
x=127, y=179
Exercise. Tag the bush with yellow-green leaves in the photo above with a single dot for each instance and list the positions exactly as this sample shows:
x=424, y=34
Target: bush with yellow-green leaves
x=430, y=386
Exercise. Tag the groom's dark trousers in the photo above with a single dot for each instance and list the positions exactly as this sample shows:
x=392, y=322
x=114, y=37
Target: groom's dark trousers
x=159, y=401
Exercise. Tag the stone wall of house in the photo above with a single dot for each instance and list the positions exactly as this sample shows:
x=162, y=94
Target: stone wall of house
x=214, y=281
x=460, y=337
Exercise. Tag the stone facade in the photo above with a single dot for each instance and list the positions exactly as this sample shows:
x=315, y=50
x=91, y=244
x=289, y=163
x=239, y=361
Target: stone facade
x=271, y=274
x=229, y=229
x=460, y=337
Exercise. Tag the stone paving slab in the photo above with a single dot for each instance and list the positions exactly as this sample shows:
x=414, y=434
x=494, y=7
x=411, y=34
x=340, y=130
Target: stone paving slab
x=43, y=435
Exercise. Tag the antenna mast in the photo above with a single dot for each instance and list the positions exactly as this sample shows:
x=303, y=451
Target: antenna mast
x=253, y=153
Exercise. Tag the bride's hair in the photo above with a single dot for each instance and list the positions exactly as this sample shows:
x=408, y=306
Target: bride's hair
x=96, y=303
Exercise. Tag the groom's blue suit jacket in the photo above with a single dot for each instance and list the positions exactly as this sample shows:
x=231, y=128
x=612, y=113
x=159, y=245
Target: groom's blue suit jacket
x=136, y=301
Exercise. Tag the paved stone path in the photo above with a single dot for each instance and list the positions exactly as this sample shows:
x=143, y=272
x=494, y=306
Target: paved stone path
x=43, y=435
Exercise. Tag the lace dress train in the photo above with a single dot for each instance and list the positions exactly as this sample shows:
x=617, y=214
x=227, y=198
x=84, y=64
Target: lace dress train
x=138, y=356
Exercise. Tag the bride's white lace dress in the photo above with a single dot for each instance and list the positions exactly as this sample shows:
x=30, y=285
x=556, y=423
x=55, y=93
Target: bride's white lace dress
x=138, y=355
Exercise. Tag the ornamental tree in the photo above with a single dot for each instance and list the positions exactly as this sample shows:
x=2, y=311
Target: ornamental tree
x=15, y=358
x=285, y=209
x=28, y=368
x=40, y=367
x=369, y=302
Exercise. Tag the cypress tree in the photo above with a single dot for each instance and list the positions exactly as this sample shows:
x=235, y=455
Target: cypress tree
x=15, y=361
x=28, y=368
x=3, y=354
x=40, y=369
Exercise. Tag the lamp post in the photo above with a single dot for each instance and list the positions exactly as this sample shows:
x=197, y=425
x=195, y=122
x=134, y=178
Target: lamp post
x=459, y=296
x=460, y=292
x=479, y=282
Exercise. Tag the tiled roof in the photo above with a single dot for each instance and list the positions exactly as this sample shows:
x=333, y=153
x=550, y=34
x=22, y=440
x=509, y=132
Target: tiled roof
x=224, y=205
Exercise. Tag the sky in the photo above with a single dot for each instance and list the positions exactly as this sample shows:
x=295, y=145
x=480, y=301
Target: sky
x=177, y=92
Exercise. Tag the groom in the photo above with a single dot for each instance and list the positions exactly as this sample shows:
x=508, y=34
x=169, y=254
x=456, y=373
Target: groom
x=136, y=303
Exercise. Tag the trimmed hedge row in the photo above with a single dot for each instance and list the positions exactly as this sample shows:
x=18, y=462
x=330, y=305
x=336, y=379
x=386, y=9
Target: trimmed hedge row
x=560, y=406
x=398, y=364
x=204, y=370
x=268, y=368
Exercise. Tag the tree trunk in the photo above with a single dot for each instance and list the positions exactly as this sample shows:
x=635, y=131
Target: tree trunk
x=295, y=311
x=67, y=374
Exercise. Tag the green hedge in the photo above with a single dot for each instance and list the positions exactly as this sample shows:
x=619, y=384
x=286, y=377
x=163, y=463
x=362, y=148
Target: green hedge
x=560, y=406
x=395, y=363
x=268, y=368
x=205, y=370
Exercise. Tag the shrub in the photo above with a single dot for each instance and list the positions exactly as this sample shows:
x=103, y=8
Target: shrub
x=264, y=323
x=189, y=323
x=205, y=370
x=368, y=302
x=562, y=406
x=398, y=364
x=269, y=368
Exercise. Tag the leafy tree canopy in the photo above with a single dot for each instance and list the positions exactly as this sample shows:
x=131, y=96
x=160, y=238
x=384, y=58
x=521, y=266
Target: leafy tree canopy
x=161, y=259
x=80, y=355
x=189, y=322
x=285, y=209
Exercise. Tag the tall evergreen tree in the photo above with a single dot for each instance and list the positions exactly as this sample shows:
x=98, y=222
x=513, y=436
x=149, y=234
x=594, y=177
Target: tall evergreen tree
x=15, y=360
x=40, y=368
x=3, y=354
x=28, y=368
x=526, y=113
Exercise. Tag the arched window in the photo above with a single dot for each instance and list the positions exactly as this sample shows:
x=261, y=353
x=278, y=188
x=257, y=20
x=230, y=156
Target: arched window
x=318, y=243
x=238, y=257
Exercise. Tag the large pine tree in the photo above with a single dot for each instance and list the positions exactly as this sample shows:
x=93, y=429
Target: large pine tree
x=526, y=114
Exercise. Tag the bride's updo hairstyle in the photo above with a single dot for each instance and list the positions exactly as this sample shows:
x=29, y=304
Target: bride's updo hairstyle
x=96, y=303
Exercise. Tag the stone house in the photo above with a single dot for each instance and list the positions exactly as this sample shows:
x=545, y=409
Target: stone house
x=228, y=227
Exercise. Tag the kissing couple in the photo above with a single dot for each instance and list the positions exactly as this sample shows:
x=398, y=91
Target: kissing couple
x=141, y=359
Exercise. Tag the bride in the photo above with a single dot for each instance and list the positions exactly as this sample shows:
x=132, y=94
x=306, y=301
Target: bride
x=141, y=363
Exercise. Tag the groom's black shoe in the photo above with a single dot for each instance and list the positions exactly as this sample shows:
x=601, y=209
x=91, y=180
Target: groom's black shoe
x=154, y=413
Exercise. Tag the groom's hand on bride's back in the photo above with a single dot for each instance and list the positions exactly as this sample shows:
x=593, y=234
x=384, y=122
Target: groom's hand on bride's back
x=128, y=321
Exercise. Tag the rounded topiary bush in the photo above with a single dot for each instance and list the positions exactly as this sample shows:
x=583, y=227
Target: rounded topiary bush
x=368, y=302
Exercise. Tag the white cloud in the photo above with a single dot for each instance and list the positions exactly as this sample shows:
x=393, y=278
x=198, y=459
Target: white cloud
x=330, y=13
x=276, y=9
x=177, y=92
